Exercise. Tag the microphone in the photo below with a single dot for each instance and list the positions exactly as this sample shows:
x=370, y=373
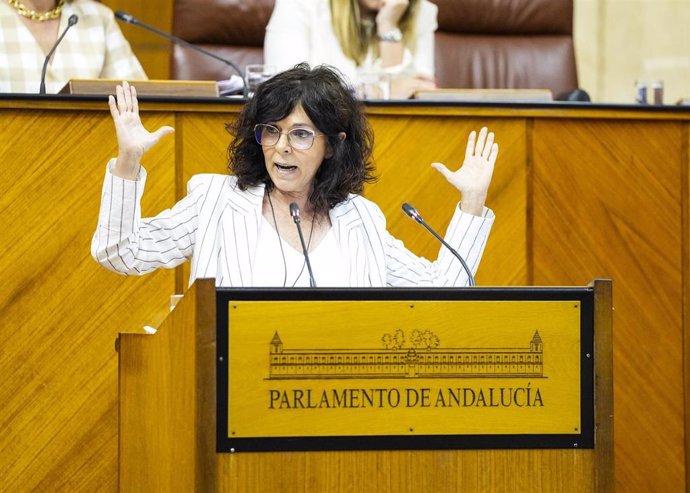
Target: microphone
x=412, y=213
x=294, y=212
x=73, y=19
x=129, y=19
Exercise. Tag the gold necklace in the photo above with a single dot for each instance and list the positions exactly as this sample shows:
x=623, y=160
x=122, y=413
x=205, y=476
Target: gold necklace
x=36, y=16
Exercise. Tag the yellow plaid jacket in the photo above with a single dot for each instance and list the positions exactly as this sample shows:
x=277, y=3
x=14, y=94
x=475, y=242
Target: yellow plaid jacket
x=94, y=48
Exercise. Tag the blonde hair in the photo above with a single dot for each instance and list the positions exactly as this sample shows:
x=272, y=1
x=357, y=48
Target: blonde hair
x=356, y=39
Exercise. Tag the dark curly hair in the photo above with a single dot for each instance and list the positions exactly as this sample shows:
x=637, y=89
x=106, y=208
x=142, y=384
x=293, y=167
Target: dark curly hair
x=332, y=107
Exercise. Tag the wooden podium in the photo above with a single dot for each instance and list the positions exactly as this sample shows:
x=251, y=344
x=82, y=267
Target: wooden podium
x=174, y=384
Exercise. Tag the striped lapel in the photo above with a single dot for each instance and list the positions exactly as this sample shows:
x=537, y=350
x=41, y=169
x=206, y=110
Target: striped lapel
x=360, y=244
x=239, y=235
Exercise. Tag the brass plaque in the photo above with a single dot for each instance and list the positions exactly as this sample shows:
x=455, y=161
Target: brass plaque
x=410, y=370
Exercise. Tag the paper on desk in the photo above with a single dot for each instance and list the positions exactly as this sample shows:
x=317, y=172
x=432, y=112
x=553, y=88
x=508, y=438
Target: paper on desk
x=233, y=85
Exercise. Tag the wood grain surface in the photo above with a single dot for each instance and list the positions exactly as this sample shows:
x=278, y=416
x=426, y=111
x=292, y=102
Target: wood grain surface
x=59, y=311
x=579, y=194
x=160, y=450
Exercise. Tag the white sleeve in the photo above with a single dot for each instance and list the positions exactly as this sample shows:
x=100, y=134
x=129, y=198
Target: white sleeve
x=120, y=62
x=466, y=233
x=426, y=28
x=288, y=34
x=127, y=244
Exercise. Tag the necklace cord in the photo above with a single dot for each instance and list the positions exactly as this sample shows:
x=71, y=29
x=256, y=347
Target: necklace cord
x=282, y=253
x=280, y=242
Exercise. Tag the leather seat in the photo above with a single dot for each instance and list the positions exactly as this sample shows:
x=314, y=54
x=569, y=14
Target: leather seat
x=513, y=44
x=231, y=29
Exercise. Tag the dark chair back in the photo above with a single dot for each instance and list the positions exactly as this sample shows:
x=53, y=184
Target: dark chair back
x=513, y=44
x=231, y=29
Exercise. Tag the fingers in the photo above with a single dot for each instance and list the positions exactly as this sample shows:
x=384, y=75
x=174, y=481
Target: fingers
x=469, y=150
x=481, y=139
x=494, y=154
x=480, y=145
x=120, y=95
x=441, y=168
x=113, y=107
x=424, y=83
x=391, y=12
x=162, y=132
x=488, y=146
x=123, y=96
x=128, y=94
x=126, y=98
x=135, y=101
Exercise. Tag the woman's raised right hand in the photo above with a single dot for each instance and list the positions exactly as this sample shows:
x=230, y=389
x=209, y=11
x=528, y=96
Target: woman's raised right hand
x=133, y=139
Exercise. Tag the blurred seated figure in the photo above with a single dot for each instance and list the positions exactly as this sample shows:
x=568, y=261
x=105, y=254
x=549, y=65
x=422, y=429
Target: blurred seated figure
x=511, y=44
x=93, y=48
x=358, y=37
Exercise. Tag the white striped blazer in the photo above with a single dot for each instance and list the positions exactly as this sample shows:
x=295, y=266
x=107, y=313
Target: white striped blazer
x=217, y=225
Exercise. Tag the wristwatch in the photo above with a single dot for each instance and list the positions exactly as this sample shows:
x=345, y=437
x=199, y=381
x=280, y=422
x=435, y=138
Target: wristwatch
x=392, y=36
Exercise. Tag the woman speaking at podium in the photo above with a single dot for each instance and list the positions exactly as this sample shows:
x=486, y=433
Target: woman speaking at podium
x=93, y=46
x=300, y=156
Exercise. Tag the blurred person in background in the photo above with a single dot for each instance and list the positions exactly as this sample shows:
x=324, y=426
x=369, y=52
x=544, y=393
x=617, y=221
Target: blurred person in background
x=358, y=37
x=93, y=48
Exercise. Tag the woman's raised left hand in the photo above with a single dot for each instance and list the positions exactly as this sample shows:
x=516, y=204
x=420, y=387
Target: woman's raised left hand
x=474, y=176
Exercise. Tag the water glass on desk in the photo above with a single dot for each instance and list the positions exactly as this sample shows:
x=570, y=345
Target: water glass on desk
x=255, y=74
x=658, y=92
x=649, y=94
x=373, y=85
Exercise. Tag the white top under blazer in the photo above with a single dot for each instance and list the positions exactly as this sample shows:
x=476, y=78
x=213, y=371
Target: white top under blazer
x=217, y=226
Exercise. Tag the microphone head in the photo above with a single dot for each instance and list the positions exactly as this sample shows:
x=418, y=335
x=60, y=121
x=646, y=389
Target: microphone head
x=294, y=212
x=73, y=19
x=124, y=17
x=411, y=212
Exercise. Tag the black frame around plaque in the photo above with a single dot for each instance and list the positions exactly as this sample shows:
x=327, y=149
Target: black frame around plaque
x=585, y=439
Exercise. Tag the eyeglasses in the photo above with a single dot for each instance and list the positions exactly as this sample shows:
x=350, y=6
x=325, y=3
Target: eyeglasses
x=298, y=138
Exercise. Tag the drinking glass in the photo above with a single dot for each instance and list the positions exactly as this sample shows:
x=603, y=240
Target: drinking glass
x=373, y=85
x=255, y=74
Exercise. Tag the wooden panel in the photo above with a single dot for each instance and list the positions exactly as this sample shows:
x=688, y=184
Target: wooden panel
x=160, y=452
x=408, y=471
x=159, y=88
x=607, y=203
x=605, y=191
x=685, y=261
x=405, y=148
x=158, y=380
x=204, y=143
x=603, y=385
x=152, y=51
x=59, y=311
